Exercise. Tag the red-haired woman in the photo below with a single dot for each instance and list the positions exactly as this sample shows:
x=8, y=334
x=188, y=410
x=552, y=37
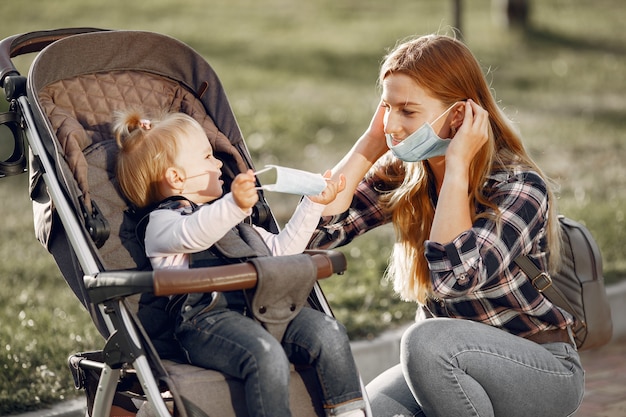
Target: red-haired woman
x=443, y=163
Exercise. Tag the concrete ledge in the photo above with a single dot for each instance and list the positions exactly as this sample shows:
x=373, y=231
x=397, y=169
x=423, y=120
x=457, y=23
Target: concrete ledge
x=374, y=356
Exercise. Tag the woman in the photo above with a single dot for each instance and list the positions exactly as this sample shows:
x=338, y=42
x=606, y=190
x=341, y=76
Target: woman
x=485, y=342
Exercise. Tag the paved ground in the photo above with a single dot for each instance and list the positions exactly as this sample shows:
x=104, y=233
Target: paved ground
x=605, y=383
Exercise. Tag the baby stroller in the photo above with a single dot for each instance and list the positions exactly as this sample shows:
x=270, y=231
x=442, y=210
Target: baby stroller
x=62, y=113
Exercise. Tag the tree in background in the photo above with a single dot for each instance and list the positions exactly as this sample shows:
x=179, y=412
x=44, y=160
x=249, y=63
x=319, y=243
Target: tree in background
x=513, y=14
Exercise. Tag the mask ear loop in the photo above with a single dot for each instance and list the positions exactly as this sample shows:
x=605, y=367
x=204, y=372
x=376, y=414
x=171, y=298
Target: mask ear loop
x=447, y=110
x=452, y=128
x=261, y=171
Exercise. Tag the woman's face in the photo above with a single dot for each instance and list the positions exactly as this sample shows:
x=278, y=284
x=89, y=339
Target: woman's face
x=408, y=106
x=201, y=169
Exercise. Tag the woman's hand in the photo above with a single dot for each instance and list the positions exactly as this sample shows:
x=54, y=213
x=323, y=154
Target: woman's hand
x=470, y=137
x=374, y=143
x=331, y=190
x=355, y=164
x=244, y=190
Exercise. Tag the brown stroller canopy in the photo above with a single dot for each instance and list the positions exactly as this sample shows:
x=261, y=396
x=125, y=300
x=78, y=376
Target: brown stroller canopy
x=116, y=71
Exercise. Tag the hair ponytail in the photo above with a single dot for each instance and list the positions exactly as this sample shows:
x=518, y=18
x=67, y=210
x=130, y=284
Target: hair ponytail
x=129, y=124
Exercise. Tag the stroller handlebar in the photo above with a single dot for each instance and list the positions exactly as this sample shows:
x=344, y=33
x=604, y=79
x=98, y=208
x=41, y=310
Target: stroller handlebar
x=114, y=284
x=25, y=43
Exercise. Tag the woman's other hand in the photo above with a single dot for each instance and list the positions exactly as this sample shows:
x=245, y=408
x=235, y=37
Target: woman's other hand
x=470, y=137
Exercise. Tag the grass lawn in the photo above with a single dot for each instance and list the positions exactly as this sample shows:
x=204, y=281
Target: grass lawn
x=301, y=78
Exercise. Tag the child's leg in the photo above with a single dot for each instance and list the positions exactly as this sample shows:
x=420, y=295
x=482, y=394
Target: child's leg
x=231, y=343
x=314, y=338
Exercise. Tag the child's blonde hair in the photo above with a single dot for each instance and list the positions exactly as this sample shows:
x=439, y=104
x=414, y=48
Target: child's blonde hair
x=148, y=147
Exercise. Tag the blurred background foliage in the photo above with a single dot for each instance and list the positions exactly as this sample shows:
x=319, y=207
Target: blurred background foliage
x=301, y=78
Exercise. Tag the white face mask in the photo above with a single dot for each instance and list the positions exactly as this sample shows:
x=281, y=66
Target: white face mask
x=294, y=181
x=420, y=145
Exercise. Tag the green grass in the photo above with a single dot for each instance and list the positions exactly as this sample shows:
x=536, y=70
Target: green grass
x=42, y=321
x=301, y=79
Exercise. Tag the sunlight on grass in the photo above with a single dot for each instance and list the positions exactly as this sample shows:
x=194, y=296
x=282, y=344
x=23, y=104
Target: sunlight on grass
x=301, y=78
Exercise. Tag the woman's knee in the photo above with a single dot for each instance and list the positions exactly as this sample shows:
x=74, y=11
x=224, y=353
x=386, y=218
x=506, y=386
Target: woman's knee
x=389, y=395
x=424, y=337
x=427, y=346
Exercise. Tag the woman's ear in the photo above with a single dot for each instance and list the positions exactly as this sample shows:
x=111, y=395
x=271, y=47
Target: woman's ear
x=458, y=115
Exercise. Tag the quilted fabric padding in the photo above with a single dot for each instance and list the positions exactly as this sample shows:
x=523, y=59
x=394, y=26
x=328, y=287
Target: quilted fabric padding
x=80, y=111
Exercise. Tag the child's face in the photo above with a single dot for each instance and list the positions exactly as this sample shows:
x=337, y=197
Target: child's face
x=201, y=169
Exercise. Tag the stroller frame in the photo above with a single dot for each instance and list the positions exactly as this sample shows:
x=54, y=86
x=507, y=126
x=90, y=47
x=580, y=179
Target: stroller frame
x=104, y=291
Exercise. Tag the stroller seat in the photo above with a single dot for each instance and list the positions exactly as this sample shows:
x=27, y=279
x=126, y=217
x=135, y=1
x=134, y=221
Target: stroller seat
x=75, y=84
x=305, y=398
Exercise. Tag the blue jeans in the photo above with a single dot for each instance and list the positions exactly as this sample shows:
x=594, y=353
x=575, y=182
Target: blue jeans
x=453, y=367
x=225, y=339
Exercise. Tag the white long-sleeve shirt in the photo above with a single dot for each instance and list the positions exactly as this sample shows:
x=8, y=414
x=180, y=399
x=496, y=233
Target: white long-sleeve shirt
x=172, y=236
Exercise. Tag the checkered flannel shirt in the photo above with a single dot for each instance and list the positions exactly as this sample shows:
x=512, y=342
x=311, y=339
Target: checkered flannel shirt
x=474, y=276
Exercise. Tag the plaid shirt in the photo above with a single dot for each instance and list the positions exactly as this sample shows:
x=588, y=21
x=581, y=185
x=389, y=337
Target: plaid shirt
x=474, y=276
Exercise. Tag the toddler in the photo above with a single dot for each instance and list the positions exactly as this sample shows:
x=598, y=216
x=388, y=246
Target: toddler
x=169, y=164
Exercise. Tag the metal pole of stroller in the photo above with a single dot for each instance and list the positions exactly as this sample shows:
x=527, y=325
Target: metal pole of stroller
x=71, y=225
x=110, y=374
x=74, y=230
x=128, y=343
x=142, y=367
x=106, y=391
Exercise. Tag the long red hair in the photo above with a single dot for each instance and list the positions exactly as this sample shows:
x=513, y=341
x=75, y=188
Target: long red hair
x=448, y=70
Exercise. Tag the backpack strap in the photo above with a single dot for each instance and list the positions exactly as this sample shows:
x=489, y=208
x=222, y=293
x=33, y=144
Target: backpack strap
x=544, y=284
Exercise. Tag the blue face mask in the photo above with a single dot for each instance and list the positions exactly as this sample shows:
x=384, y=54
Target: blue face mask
x=420, y=145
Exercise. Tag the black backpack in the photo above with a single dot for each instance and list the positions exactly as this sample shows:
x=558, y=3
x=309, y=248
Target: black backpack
x=578, y=287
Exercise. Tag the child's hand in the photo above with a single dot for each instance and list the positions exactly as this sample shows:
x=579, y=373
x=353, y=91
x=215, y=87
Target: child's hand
x=330, y=192
x=244, y=190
